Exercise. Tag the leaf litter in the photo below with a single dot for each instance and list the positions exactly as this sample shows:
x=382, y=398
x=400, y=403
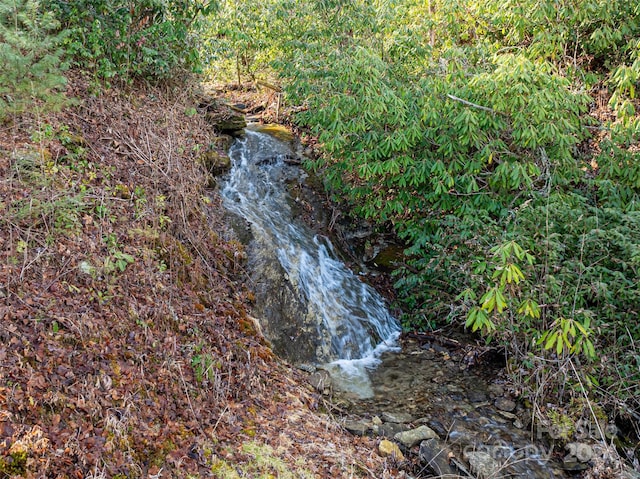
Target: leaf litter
x=126, y=346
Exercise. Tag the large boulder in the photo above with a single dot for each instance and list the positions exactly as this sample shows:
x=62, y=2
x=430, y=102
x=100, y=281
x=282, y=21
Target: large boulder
x=226, y=120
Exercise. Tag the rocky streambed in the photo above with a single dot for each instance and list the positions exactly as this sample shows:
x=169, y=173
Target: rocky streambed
x=431, y=408
x=440, y=416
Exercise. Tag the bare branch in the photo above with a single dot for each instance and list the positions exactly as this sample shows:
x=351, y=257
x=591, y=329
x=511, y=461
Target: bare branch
x=475, y=105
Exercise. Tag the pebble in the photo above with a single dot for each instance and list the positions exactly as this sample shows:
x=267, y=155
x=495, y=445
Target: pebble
x=476, y=396
x=390, y=449
x=508, y=415
x=505, y=404
x=413, y=437
x=390, y=429
x=397, y=417
x=358, y=428
x=495, y=390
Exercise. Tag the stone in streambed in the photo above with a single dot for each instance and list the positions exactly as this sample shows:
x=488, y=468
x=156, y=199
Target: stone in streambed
x=436, y=456
x=482, y=464
x=389, y=429
x=476, y=396
x=505, y=404
x=436, y=425
x=397, y=417
x=495, y=390
x=357, y=428
x=226, y=120
x=508, y=415
x=461, y=435
x=390, y=449
x=415, y=436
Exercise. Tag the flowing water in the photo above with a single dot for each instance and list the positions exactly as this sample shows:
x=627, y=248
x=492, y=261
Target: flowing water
x=345, y=320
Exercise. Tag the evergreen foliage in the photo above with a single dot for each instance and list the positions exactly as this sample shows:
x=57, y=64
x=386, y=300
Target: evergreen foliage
x=30, y=58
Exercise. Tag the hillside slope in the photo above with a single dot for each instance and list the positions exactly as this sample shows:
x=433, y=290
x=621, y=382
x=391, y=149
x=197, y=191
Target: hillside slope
x=126, y=349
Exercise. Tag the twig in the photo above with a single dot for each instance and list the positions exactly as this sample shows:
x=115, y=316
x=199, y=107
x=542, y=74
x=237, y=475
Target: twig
x=226, y=408
x=60, y=275
x=186, y=392
x=547, y=171
x=270, y=86
x=25, y=265
x=586, y=397
x=475, y=105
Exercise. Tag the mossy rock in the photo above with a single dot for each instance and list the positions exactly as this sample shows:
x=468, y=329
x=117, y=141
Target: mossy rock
x=215, y=162
x=226, y=121
x=222, y=142
x=277, y=131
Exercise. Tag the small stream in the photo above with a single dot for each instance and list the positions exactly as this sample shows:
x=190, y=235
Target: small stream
x=316, y=312
x=314, y=309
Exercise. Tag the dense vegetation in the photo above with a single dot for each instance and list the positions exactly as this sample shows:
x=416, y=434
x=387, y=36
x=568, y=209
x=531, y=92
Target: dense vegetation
x=126, y=348
x=499, y=141
x=30, y=58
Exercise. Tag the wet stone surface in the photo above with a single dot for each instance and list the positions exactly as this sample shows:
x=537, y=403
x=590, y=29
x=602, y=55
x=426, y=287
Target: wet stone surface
x=463, y=410
x=311, y=307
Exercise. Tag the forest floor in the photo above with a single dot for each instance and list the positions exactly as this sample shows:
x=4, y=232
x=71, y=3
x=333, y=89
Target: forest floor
x=126, y=344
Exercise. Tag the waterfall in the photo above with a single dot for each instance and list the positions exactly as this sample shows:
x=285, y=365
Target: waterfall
x=351, y=324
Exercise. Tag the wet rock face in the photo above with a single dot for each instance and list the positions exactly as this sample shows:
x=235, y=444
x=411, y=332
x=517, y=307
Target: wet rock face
x=311, y=307
x=215, y=162
x=281, y=308
x=282, y=312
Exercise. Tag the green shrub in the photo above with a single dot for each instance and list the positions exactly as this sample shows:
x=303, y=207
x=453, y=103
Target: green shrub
x=465, y=127
x=127, y=40
x=30, y=59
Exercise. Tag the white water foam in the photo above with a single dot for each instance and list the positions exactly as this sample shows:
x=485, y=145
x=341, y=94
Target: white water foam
x=353, y=321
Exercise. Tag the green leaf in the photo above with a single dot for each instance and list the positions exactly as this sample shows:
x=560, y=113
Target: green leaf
x=501, y=302
x=559, y=346
x=488, y=300
x=530, y=308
